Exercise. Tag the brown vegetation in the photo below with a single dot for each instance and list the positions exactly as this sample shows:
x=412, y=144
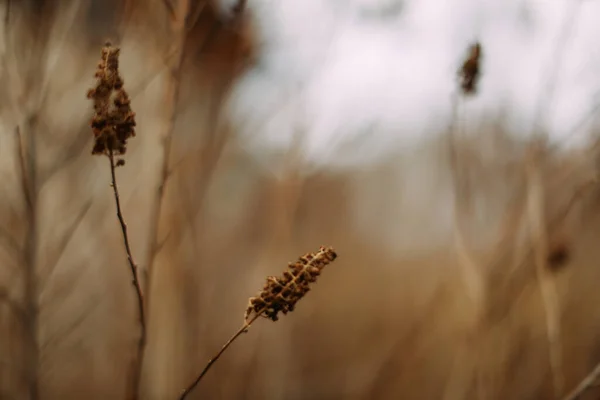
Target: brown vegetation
x=499, y=303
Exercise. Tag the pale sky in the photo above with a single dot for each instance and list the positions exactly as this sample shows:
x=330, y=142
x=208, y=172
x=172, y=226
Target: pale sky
x=356, y=78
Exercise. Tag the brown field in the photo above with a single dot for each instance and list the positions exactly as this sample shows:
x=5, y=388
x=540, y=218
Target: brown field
x=467, y=277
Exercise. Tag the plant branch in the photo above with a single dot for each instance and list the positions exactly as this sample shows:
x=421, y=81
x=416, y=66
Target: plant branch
x=27, y=170
x=539, y=237
x=214, y=359
x=136, y=367
x=66, y=240
x=586, y=384
x=172, y=97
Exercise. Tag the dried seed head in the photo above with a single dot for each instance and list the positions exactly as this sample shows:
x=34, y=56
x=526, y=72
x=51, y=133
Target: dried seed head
x=280, y=294
x=113, y=122
x=470, y=70
x=558, y=256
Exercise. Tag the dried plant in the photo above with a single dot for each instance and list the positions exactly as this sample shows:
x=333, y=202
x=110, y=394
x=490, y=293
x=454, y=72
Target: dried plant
x=471, y=70
x=588, y=383
x=113, y=124
x=280, y=294
x=470, y=269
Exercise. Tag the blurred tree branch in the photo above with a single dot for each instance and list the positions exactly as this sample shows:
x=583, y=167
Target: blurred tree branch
x=27, y=44
x=66, y=239
x=179, y=31
x=589, y=382
x=30, y=192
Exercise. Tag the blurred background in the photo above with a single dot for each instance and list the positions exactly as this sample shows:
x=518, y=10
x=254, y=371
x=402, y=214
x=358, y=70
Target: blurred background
x=467, y=227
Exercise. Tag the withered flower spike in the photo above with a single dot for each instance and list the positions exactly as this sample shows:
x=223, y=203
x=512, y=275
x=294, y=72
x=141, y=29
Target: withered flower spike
x=113, y=122
x=471, y=70
x=280, y=294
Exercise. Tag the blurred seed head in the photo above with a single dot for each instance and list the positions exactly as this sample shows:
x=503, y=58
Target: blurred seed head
x=280, y=294
x=114, y=121
x=471, y=70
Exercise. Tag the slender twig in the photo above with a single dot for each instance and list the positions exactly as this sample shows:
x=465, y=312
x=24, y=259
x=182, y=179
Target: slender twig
x=132, y=264
x=66, y=240
x=172, y=98
x=69, y=155
x=539, y=236
x=53, y=339
x=586, y=384
x=137, y=365
x=190, y=22
x=173, y=55
x=210, y=363
x=29, y=186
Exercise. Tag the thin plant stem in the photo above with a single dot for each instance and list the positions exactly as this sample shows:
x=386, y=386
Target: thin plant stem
x=586, y=384
x=214, y=359
x=550, y=301
x=171, y=102
x=28, y=175
x=136, y=367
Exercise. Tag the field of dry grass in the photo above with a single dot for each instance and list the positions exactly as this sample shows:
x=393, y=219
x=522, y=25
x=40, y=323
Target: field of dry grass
x=466, y=277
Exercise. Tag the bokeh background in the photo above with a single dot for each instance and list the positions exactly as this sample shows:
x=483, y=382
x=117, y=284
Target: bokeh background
x=467, y=228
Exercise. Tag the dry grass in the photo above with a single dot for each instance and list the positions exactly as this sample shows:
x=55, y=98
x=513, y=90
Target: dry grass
x=113, y=124
x=499, y=303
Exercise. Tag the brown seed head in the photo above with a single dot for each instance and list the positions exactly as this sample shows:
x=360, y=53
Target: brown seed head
x=558, y=256
x=280, y=294
x=470, y=70
x=113, y=122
